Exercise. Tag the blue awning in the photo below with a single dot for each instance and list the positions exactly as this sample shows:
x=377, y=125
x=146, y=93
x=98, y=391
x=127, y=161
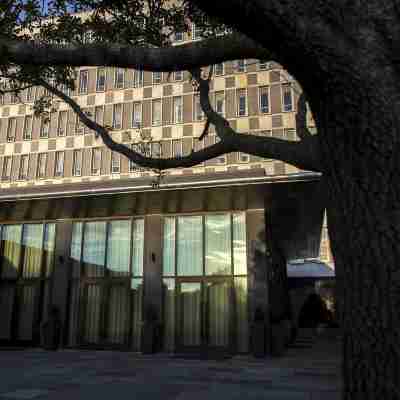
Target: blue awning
x=309, y=269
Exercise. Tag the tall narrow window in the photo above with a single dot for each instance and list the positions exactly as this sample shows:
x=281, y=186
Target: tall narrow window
x=132, y=166
x=12, y=124
x=244, y=157
x=23, y=167
x=119, y=78
x=264, y=99
x=240, y=66
x=198, y=112
x=44, y=127
x=7, y=168
x=117, y=116
x=220, y=103
x=138, y=78
x=219, y=69
x=62, y=123
x=42, y=165
x=96, y=161
x=287, y=98
x=77, y=163
x=177, y=148
x=99, y=114
x=83, y=81
x=136, y=115
x=178, y=36
x=196, y=32
x=101, y=79
x=241, y=102
x=156, y=112
x=27, y=135
x=178, y=112
x=78, y=125
x=115, y=163
x=156, y=149
x=59, y=164
x=30, y=94
x=157, y=76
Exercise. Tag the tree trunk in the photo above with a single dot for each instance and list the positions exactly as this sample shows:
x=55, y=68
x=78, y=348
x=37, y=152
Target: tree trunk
x=360, y=146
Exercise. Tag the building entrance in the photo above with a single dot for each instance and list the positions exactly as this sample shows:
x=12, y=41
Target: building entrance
x=205, y=314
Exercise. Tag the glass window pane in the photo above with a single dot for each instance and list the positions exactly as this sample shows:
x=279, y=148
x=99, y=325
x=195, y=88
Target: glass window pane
x=169, y=247
x=137, y=303
x=239, y=244
x=169, y=314
x=11, y=238
x=94, y=246
x=117, y=328
x=137, y=247
x=76, y=247
x=49, y=244
x=242, y=322
x=218, y=245
x=190, y=246
x=32, y=240
x=119, y=236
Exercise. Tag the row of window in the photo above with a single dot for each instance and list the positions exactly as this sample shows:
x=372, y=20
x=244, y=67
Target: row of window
x=164, y=149
x=156, y=113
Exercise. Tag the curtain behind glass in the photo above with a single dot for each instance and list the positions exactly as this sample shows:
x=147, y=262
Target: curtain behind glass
x=239, y=244
x=94, y=246
x=190, y=246
x=190, y=313
x=118, y=307
x=49, y=244
x=119, y=238
x=242, y=322
x=7, y=293
x=137, y=303
x=11, y=238
x=26, y=309
x=137, y=247
x=32, y=240
x=169, y=246
x=76, y=248
x=74, y=312
x=218, y=245
x=91, y=333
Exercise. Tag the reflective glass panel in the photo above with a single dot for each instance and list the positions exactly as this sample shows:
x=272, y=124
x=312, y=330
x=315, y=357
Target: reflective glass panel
x=169, y=247
x=11, y=238
x=119, y=237
x=32, y=240
x=239, y=244
x=94, y=246
x=137, y=247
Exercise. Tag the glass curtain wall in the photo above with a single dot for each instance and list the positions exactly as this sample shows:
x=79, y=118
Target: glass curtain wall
x=106, y=283
x=26, y=264
x=205, y=271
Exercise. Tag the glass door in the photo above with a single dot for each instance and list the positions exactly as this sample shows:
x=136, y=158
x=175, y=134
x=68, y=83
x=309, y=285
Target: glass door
x=204, y=310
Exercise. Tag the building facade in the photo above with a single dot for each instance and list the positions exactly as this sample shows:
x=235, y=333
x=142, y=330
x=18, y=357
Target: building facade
x=86, y=230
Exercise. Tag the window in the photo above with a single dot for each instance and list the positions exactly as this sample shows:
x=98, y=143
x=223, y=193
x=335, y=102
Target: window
x=77, y=163
x=132, y=166
x=23, y=167
x=7, y=168
x=220, y=159
x=220, y=103
x=178, y=112
x=115, y=163
x=138, y=78
x=30, y=94
x=59, y=164
x=156, y=150
x=287, y=98
x=263, y=65
x=44, y=127
x=178, y=36
x=98, y=114
x=42, y=165
x=101, y=79
x=178, y=75
x=196, y=32
x=119, y=78
x=78, y=125
x=83, y=81
x=198, y=112
x=177, y=148
x=157, y=76
x=219, y=69
x=244, y=157
x=156, y=112
x=136, y=115
x=117, y=116
x=27, y=135
x=264, y=99
x=12, y=124
x=96, y=161
x=240, y=66
x=14, y=98
x=62, y=123
x=241, y=102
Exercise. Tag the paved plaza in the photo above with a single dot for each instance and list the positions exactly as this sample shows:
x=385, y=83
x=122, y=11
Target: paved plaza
x=303, y=373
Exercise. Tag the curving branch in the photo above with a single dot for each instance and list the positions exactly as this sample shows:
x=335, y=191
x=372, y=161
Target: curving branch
x=183, y=57
x=159, y=164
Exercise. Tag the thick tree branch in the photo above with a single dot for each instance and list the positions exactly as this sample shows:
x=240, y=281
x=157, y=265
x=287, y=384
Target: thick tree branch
x=160, y=164
x=183, y=57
